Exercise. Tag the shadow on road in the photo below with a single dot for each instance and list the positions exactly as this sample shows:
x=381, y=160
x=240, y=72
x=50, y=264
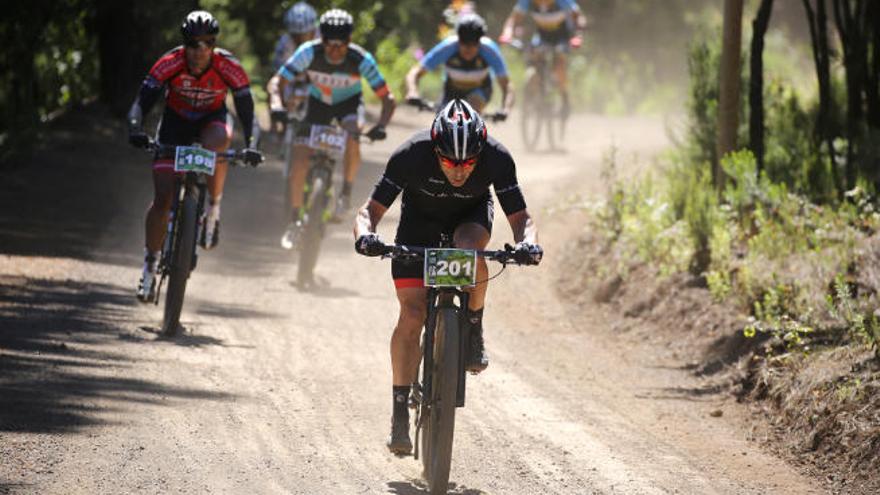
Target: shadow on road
x=56, y=374
x=418, y=487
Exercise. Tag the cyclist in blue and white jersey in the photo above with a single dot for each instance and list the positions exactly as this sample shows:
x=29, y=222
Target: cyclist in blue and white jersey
x=300, y=25
x=558, y=26
x=332, y=68
x=470, y=61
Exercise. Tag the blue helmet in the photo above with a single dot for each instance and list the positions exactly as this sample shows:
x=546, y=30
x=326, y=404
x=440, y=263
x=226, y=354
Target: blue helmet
x=300, y=19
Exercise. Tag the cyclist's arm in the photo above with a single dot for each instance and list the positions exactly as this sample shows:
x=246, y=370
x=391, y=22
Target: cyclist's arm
x=150, y=91
x=370, y=71
x=276, y=87
x=435, y=57
x=244, y=107
x=507, y=93
x=368, y=217
x=412, y=80
x=523, y=227
x=513, y=21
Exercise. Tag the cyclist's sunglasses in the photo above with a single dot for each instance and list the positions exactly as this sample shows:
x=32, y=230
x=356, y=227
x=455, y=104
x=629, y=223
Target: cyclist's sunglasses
x=208, y=43
x=335, y=43
x=450, y=163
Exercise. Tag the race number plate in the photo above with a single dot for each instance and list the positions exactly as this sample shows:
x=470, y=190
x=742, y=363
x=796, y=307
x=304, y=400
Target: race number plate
x=194, y=159
x=327, y=138
x=450, y=267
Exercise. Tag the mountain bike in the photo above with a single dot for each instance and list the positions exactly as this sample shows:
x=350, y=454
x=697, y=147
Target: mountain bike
x=543, y=109
x=448, y=271
x=179, y=257
x=328, y=146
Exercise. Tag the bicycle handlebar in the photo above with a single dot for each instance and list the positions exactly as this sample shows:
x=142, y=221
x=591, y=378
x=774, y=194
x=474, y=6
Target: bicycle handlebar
x=404, y=252
x=169, y=150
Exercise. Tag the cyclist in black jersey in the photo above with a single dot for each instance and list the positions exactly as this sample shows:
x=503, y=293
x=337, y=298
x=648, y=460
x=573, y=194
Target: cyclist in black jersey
x=444, y=174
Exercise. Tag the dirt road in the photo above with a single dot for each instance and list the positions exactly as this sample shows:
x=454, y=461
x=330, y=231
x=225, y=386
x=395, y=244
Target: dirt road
x=273, y=390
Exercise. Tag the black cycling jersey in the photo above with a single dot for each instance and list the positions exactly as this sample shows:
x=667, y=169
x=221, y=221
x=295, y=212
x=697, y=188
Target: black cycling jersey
x=415, y=170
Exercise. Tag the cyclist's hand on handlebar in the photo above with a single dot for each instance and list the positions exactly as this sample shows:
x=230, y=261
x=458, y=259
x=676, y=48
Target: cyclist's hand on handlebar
x=505, y=38
x=526, y=253
x=251, y=157
x=576, y=41
x=138, y=139
x=500, y=116
x=377, y=133
x=369, y=245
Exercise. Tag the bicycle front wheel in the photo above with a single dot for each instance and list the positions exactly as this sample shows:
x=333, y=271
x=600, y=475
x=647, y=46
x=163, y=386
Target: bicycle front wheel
x=533, y=112
x=181, y=264
x=437, y=435
x=313, y=230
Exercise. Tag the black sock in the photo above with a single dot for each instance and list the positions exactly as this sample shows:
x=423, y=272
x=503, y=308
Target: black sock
x=475, y=317
x=346, y=188
x=400, y=394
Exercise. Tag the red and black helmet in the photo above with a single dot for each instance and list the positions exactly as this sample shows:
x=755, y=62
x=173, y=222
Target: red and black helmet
x=199, y=23
x=458, y=132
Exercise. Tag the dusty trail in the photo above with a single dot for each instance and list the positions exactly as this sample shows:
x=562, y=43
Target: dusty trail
x=273, y=390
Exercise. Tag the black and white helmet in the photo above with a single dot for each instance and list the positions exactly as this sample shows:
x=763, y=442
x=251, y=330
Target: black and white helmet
x=199, y=23
x=458, y=132
x=336, y=24
x=470, y=28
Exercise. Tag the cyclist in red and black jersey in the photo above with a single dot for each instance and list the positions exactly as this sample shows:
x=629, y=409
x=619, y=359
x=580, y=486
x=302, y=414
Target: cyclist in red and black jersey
x=194, y=79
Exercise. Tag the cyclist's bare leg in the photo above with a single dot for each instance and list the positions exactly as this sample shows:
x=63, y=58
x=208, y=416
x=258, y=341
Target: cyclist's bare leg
x=216, y=137
x=405, y=351
x=157, y=214
x=476, y=101
x=301, y=156
x=352, y=159
x=475, y=236
x=560, y=71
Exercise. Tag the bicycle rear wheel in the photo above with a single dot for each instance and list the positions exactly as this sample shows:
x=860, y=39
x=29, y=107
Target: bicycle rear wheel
x=313, y=230
x=439, y=429
x=181, y=264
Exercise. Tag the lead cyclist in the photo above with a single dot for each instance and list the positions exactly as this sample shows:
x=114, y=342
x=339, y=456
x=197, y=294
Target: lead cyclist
x=444, y=174
x=558, y=23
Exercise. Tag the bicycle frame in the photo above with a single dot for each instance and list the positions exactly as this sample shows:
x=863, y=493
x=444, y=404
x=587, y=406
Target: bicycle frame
x=189, y=183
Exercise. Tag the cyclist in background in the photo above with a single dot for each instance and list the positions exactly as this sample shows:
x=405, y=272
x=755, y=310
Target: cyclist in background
x=559, y=24
x=444, y=175
x=332, y=67
x=301, y=25
x=470, y=60
x=194, y=80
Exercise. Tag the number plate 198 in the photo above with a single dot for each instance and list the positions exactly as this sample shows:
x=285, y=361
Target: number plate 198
x=450, y=267
x=194, y=159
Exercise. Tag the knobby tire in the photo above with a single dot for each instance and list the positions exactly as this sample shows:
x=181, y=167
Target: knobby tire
x=181, y=264
x=313, y=231
x=437, y=435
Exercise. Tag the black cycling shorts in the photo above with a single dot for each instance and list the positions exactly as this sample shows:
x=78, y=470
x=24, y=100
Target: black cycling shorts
x=415, y=229
x=176, y=130
x=321, y=113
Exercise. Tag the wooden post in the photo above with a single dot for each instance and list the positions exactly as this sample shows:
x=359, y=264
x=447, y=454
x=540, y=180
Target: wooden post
x=729, y=85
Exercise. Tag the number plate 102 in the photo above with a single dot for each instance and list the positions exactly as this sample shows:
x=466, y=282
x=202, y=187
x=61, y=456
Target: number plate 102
x=450, y=267
x=328, y=138
x=194, y=159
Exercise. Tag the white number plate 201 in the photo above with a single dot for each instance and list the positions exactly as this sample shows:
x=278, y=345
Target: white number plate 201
x=450, y=267
x=328, y=138
x=194, y=159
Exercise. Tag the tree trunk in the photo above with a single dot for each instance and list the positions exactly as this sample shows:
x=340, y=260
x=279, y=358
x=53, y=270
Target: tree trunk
x=818, y=22
x=756, y=83
x=849, y=16
x=729, y=85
